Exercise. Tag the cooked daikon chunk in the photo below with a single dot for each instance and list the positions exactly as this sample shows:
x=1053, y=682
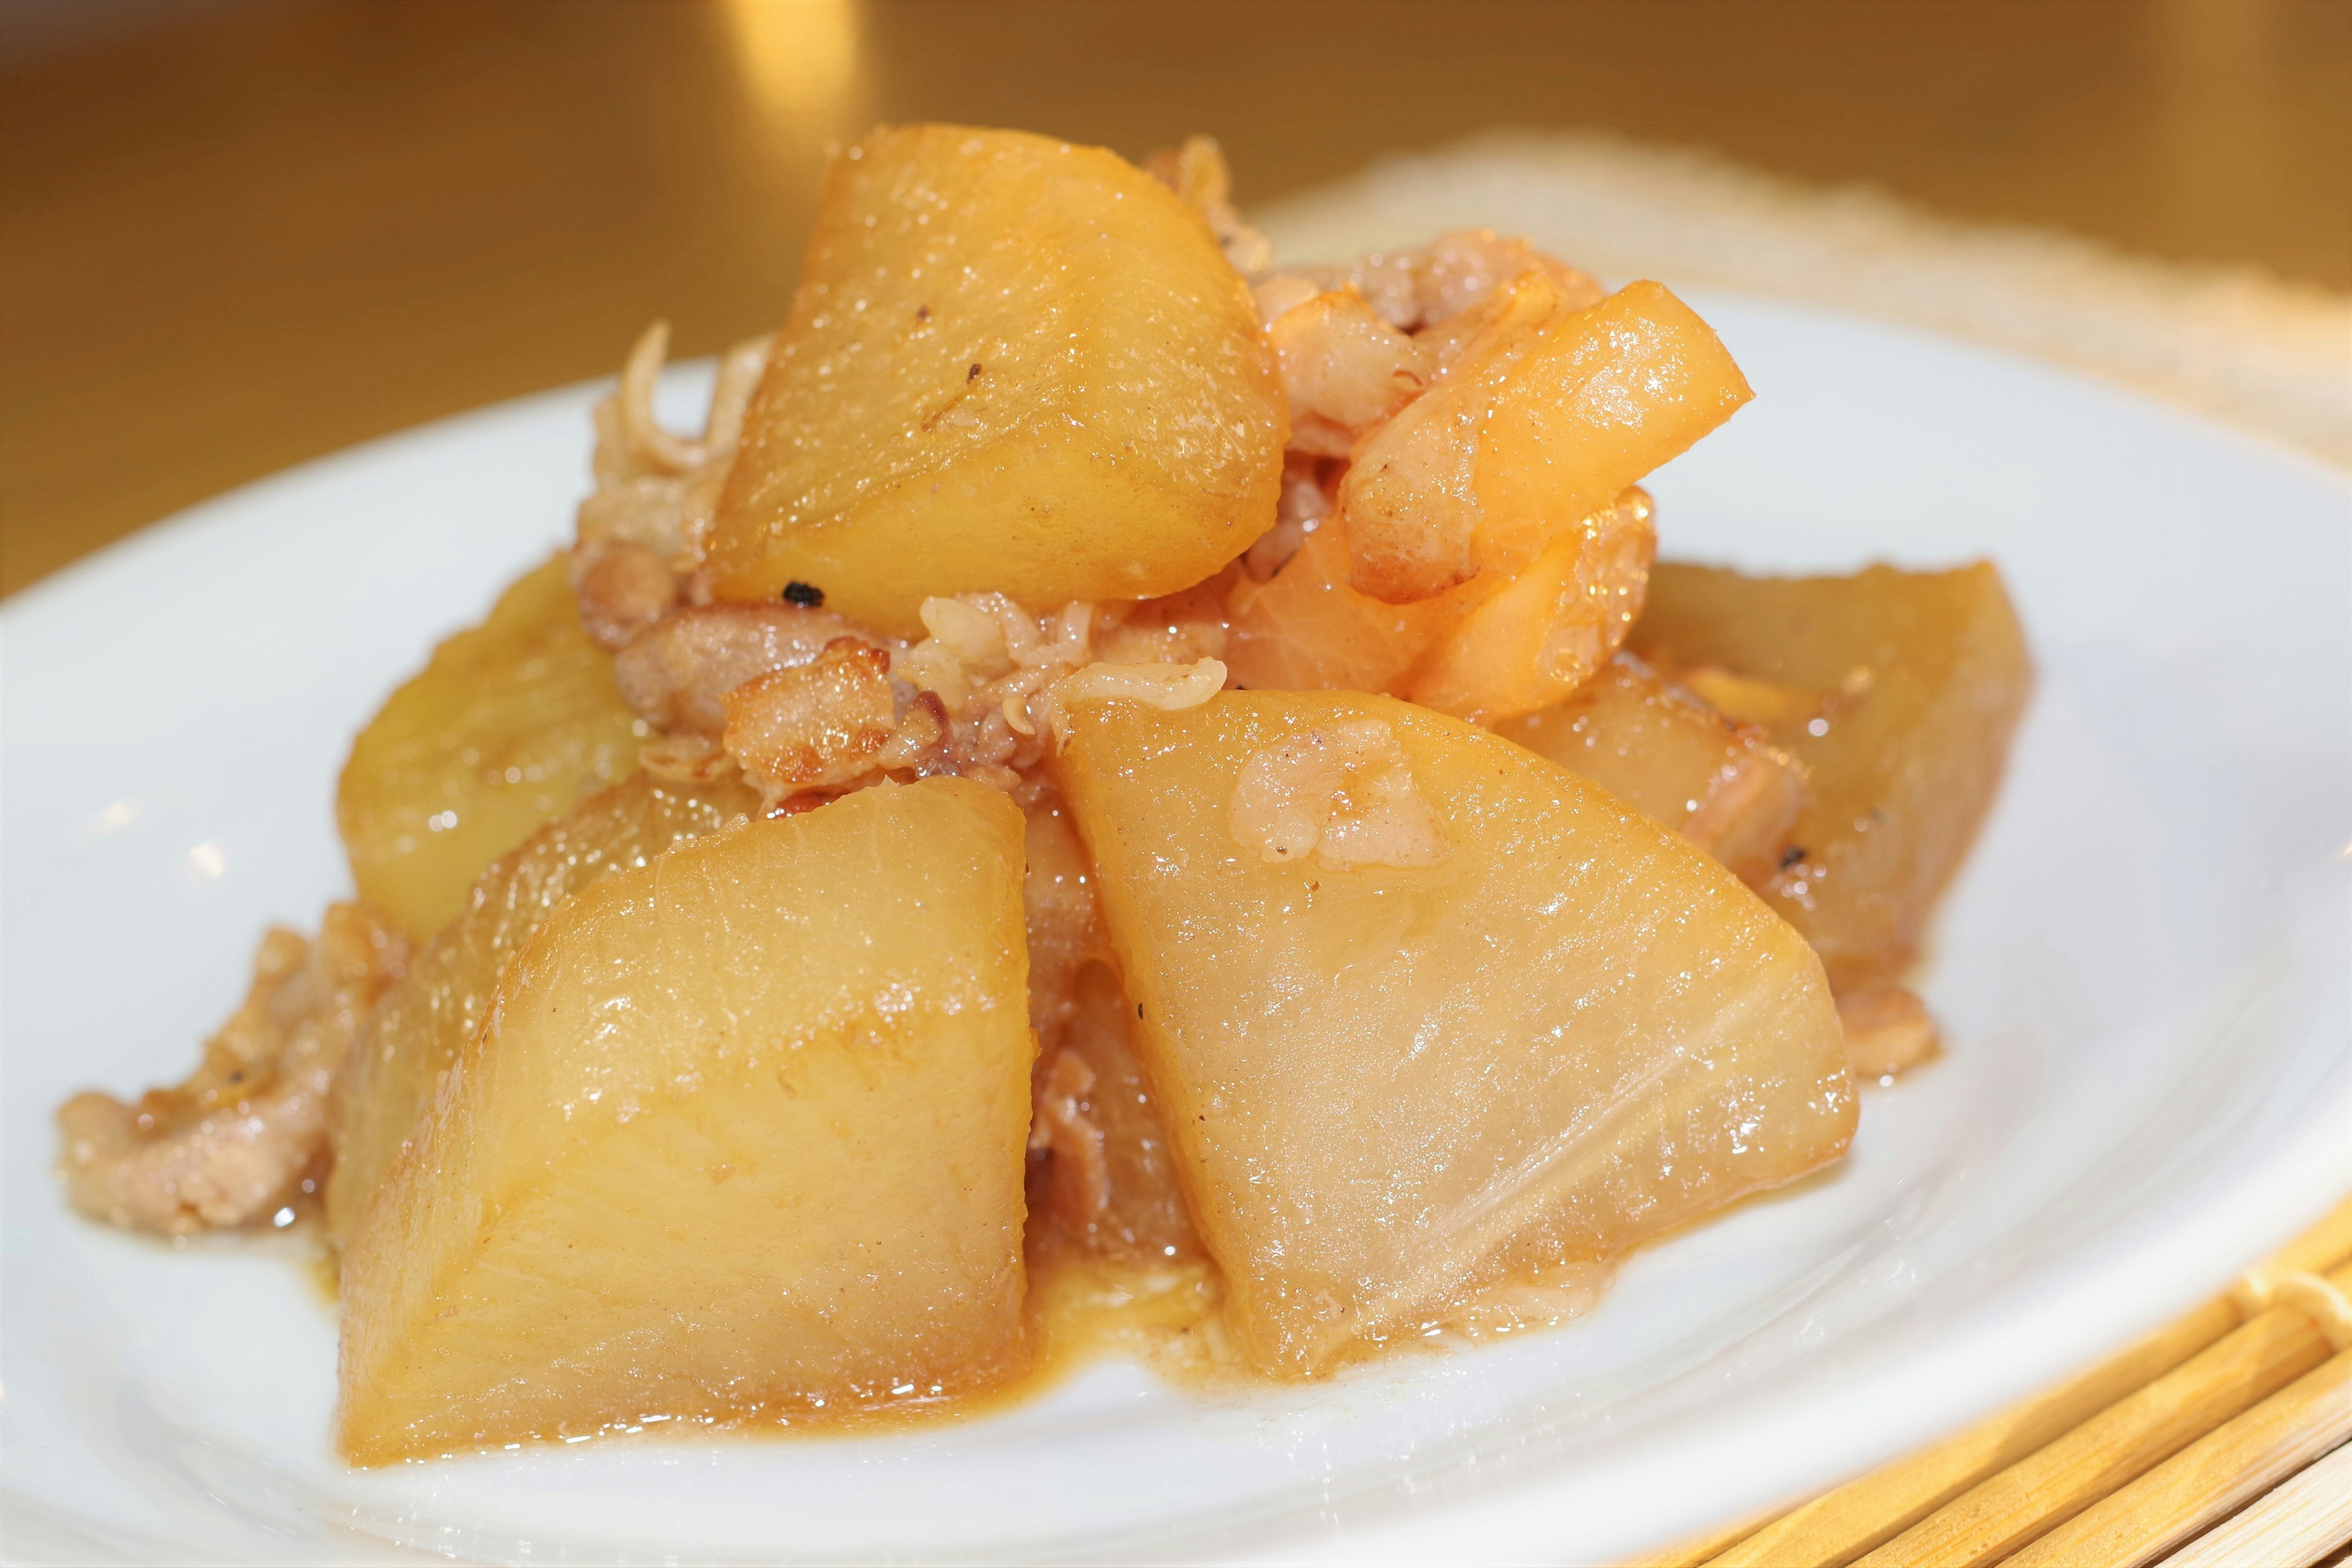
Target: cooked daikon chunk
x=742, y=1137
x=1431, y=1016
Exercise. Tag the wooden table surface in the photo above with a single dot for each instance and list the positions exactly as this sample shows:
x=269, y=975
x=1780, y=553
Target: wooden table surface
x=256, y=232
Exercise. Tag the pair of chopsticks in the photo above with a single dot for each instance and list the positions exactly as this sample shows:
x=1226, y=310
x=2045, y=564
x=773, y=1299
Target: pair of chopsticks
x=2142, y=1454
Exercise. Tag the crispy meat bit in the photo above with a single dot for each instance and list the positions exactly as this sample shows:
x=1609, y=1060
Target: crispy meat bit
x=921, y=740
x=812, y=726
x=677, y=675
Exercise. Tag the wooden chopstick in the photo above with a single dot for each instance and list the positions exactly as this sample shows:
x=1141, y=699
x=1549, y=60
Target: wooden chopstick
x=1842, y=1526
x=2209, y=1479
x=2297, y=1524
x=1839, y=1527
x=1701, y=1549
x=2007, y=1511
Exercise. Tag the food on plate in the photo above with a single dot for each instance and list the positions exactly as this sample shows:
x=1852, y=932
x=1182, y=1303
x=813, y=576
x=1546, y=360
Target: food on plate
x=1887, y=1029
x=1435, y=1019
x=1721, y=784
x=743, y=1132
x=1897, y=693
x=1119, y=794
x=1109, y=1184
x=247, y=1136
x=445, y=992
x=507, y=725
x=1010, y=361
x=1494, y=545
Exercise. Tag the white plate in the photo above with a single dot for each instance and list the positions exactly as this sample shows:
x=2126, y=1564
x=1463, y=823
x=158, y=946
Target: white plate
x=2143, y=974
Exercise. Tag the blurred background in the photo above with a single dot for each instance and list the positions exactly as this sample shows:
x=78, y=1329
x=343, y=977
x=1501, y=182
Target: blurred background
x=236, y=234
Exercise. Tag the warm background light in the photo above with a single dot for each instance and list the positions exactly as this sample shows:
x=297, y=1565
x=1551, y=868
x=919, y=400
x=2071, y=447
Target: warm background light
x=236, y=234
x=799, y=62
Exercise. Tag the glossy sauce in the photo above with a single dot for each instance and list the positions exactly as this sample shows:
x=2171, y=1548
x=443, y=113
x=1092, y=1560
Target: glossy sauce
x=1164, y=1315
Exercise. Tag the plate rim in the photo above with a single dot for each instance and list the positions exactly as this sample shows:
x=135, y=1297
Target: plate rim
x=2070, y=1319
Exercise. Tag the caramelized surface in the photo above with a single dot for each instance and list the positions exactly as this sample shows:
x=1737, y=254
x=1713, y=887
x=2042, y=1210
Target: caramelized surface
x=1490, y=550
x=1613, y=391
x=1898, y=692
x=1398, y=1091
x=506, y=727
x=741, y=1139
x=1542, y=634
x=444, y=998
x=1012, y=364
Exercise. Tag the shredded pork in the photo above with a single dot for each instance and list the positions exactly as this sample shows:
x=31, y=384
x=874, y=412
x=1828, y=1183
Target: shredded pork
x=676, y=674
x=806, y=704
x=1342, y=795
x=247, y=1136
x=654, y=488
x=1059, y=1124
x=1389, y=366
x=981, y=693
